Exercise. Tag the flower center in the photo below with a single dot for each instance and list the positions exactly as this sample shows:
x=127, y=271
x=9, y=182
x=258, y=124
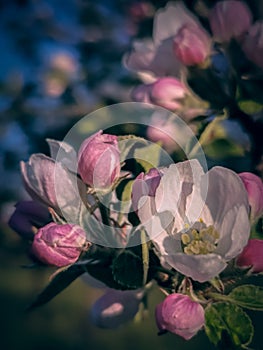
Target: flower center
x=199, y=241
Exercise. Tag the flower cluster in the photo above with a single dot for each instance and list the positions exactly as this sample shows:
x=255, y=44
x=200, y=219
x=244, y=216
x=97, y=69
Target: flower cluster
x=129, y=220
x=198, y=224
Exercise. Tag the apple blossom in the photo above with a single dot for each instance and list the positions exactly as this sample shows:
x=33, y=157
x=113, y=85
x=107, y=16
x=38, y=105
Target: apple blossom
x=197, y=221
x=155, y=59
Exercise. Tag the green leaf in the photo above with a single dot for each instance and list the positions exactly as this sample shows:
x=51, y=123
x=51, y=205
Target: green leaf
x=222, y=148
x=217, y=143
x=59, y=282
x=228, y=321
x=127, y=269
x=148, y=157
x=127, y=142
x=250, y=107
x=103, y=272
x=248, y=296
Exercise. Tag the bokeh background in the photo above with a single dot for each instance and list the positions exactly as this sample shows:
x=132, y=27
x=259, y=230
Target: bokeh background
x=60, y=60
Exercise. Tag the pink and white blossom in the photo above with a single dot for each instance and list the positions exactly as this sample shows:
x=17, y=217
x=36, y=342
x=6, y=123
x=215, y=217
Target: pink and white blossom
x=197, y=221
x=155, y=58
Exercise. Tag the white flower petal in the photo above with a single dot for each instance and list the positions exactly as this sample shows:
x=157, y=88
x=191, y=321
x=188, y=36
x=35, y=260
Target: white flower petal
x=146, y=208
x=151, y=62
x=165, y=63
x=176, y=185
x=64, y=153
x=140, y=58
x=200, y=268
x=169, y=20
x=234, y=233
x=225, y=190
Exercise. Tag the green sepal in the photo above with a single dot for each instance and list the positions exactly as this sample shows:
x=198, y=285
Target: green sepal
x=228, y=325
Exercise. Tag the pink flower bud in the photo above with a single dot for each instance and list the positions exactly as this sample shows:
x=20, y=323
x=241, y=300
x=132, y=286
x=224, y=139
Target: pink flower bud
x=254, y=187
x=59, y=245
x=180, y=315
x=253, y=43
x=114, y=308
x=145, y=185
x=191, y=45
x=168, y=93
x=229, y=19
x=252, y=255
x=99, y=160
x=27, y=215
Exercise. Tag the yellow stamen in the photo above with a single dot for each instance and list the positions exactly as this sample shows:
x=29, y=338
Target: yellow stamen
x=195, y=242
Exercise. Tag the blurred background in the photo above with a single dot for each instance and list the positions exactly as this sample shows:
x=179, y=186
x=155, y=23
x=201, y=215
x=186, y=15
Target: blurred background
x=60, y=60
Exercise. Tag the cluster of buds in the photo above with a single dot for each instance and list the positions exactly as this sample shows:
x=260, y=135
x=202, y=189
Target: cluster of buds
x=51, y=185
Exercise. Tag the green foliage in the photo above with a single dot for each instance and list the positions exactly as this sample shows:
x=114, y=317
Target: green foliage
x=250, y=107
x=127, y=143
x=58, y=283
x=218, y=149
x=103, y=272
x=148, y=157
x=228, y=323
x=247, y=296
x=217, y=143
x=127, y=269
